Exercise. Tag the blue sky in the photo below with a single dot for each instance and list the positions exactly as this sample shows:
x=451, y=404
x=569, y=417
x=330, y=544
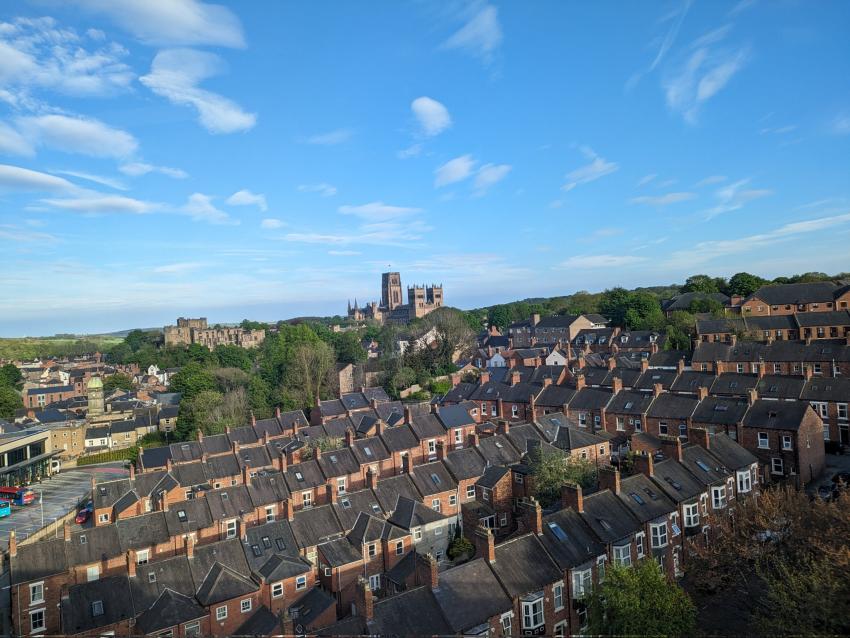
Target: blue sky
x=270, y=159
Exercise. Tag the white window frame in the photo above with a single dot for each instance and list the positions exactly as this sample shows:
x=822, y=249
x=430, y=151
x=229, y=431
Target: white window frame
x=245, y=605
x=600, y=568
x=307, y=499
x=432, y=447
x=658, y=533
x=691, y=512
x=763, y=441
x=787, y=442
x=718, y=497
x=143, y=556
x=458, y=436
x=452, y=500
x=92, y=573
x=36, y=600
x=623, y=555
x=230, y=528
x=558, y=595
x=270, y=514
x=375, y=582
x=582, y=582
x=192, y=629
x=745, y=481
x=470, y=491
x=277, y=589
x=300, y=583
x=221, y=613
x=436, y=504
x=33, y=613
x=507, y=624
x=640, y=544
x=532, y=614
x=777, y=465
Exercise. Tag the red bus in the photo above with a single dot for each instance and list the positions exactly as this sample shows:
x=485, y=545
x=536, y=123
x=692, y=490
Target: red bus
x=17, y=495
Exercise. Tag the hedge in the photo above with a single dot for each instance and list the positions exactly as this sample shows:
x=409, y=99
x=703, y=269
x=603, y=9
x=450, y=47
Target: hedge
x=125, y=454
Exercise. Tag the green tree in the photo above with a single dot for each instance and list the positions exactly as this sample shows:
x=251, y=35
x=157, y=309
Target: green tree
x=551, y=469
x=644, y=312
x=614, y=305
x=10, y=376
x=118, y=381
x=233, y=356
x=211, y=412
x=135, y=339
x=259, y=397
x=640, y=601
x=347, y=347
x=744, y=284
x=703, y=283
x=191, y=380
x=10, y=401
x=120, y=353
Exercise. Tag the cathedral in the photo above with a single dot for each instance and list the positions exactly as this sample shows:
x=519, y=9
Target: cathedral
x=420, y=301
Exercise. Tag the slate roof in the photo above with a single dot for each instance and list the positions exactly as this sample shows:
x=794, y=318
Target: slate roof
x=455, y=416
x=706, y=467
x=340, y=552
x=408, y=514
x=388, y=491
x=190, y=474
x=555, y=396
x=140, y=532
x=730, y=453
x=229, y=502
x=369, y=450
x=498, y=450
x=673, y=406
x=38, y=560
x=399, y=438
x=801, y=293
x=221, y=572
x=644, y=499
x=648, y=379
x=691, y=381
x=338, y=463
x=186, y=451
x=608, y=517
x=170, y=610
x=630, y=402
x=676, y=481
x=781, y=387
x=153, y=579
x=776, y=415
x=569, y=540
x=96, y=604
x=315, y=525
x=492, y=475
x=350, y=504
x=303, y=476
x=92, y=545
x=835, y=389
x=523, y=566
x=684, y=300
x=470, y=595
x=154, y=457
x=733, y=384
x=427, y=426
x=369, y=529
x=829, y=318
x=465, y=463
x=412, y=613
x=266, y=540
x=590, y=399
x=720, y=410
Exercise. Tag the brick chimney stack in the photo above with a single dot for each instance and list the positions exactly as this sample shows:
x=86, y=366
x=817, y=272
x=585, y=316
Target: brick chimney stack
x=485, y=544
x=644, y=464
x=657, y=389
x=572, y=496
x=612, y=363
x=579, y=381
x=609, y=479
x=473, y=439
x=680, y=366
x=671, y=447
x=288, y=512
x=752, y=396
x=485, y=377
x=408, y=414
x=616, y=385
x=131, y=563
x=190, y=546
x=371, y=479
x=701, y=437
x=364, y=601
x=533, y=515
x=702, y=393
x=515, y=377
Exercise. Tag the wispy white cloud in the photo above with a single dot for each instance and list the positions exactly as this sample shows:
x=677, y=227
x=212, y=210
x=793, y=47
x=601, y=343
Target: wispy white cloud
x=344, y=253
x=675, y=18
x=488, y=175
x=247, y=198
x=711, y=179
x=481, y=34
x=271, y=223
x=586, y=262
x=37, y=53
x=173, y=22
x=323, y=189
x=137, y=169
x=778, y=130
x=741, y=6
x=101, y=204
x=598, y=167
x=16, y=178
x=13, y=143
x=179, y=268
x=378, y=211
x=707, y=251
x=841, y=124
x=200, y=208
x=16, y=234
x=707, y=70
x=175, y=75
x=414, y=150
x=663, y=200
x=77, y=135
x=646, y=179
x=453, y=171
x=734, y=197
x=331, y=138
x=97, y=179
x=432, y=116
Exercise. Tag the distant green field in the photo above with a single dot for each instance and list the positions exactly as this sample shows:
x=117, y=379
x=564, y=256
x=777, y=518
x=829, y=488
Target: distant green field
x=32, y=347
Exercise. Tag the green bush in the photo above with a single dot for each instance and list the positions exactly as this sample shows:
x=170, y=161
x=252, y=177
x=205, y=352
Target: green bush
x=126, y=454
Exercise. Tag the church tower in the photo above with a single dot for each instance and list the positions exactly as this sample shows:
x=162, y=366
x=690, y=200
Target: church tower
x=94, y=393
x=391, y=290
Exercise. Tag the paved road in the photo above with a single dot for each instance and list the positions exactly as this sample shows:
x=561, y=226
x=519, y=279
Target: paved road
x=60, y=494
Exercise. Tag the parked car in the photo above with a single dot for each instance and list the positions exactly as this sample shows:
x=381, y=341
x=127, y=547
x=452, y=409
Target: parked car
x=84, y=513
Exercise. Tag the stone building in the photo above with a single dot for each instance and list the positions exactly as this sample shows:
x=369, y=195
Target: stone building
x=420, y=301
x=189, y=331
